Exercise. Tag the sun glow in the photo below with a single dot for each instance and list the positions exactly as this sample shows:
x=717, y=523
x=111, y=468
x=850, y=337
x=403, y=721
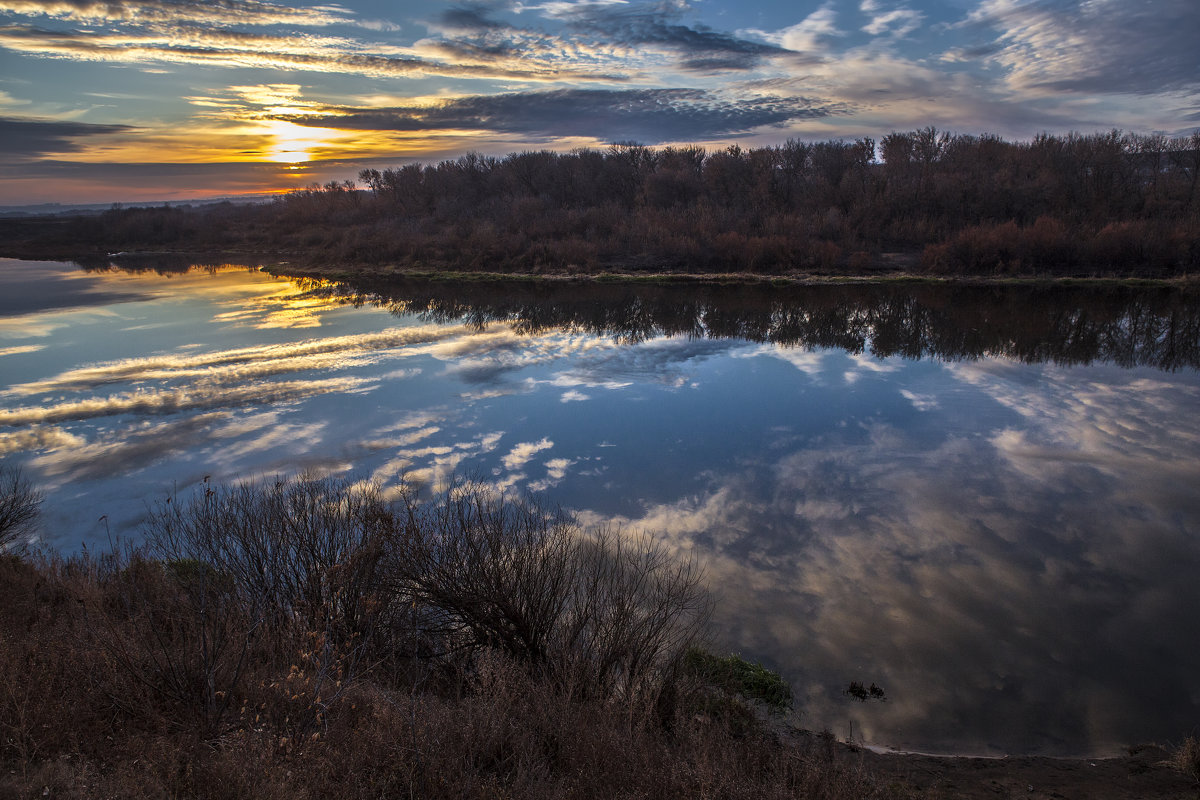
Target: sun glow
x=295, y=144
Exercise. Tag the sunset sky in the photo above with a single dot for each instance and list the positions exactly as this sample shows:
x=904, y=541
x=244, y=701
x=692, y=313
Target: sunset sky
x=174, y=99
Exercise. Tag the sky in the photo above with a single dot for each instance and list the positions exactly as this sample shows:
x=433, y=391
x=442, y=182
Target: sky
x=146, y=100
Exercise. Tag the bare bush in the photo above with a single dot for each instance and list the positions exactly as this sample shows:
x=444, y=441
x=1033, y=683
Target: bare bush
x=1187, y=758
x=606, y=612
x=304, y=552
x=20, y=504
x=635, y=611
x=277, y=576
x=492, y=573
x=179, y=635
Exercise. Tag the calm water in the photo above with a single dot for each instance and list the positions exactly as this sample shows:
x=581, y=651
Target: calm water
x=983, y=500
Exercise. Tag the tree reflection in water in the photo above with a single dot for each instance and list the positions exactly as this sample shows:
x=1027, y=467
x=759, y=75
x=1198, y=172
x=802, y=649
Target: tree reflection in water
x=1124, y=325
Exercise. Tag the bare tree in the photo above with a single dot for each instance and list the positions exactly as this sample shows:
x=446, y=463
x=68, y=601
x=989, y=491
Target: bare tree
x=20, y=504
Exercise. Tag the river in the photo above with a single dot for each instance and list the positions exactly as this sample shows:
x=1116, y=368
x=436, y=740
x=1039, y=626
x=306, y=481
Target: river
x=982, y=499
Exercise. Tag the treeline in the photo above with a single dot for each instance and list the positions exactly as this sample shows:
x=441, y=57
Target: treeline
x=1075, y=204
x=307, y=638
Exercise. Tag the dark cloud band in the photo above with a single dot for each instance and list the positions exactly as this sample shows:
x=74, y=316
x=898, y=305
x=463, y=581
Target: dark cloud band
x=25, y=139
x=650, y=116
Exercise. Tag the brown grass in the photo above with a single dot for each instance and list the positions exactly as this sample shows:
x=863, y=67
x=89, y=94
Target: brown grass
x=135, y=676
x=1187, y=757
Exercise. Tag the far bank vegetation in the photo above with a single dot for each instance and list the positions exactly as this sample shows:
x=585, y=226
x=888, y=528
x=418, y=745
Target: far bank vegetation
x=929, y=201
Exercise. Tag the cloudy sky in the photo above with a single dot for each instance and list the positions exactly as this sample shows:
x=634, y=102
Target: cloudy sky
x=173, y=99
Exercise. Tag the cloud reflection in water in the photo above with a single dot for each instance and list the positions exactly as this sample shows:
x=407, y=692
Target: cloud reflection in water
x=1025, y=585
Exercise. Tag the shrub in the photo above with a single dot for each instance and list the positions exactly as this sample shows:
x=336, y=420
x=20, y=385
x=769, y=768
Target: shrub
x=180, y=631
x=604, y=613
x=19, y=505
x=301, y=553
x=735, y=675
x=1187, y=757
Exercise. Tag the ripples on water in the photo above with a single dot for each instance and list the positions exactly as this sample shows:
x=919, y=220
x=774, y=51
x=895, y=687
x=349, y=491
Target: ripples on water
x=982, y=499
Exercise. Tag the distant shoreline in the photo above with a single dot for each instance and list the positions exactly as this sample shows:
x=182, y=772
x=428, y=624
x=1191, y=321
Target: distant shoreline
x=722, y=278
x=877, y=274
x=923, y=203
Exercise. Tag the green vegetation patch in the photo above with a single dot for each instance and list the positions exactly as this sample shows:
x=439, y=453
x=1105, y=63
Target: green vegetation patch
x=736, y=675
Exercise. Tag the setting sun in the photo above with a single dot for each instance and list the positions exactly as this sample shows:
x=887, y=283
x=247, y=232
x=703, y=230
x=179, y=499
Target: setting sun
x=294, y=144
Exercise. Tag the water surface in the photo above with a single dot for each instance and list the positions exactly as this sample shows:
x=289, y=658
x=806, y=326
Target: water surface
x=983, y=500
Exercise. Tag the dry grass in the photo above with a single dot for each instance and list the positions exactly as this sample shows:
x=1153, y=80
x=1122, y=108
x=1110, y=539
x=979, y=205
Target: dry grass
x=118, y=680
x=1187, y=758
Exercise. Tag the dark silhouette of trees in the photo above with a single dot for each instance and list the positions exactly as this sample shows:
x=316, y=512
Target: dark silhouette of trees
x=960, y=204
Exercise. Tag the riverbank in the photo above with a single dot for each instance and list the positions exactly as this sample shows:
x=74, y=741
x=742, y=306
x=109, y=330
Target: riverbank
x=1146, y=773
x=890, y=267
x=642, y=277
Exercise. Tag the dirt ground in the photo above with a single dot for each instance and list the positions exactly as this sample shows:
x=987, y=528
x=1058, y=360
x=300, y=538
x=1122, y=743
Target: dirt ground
x=1142, y=775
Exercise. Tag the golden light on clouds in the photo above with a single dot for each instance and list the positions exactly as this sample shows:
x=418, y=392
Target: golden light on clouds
x=253, y=111
x=292, y=143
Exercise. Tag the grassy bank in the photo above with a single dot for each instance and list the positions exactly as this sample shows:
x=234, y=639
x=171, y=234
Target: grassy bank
x=306, y=639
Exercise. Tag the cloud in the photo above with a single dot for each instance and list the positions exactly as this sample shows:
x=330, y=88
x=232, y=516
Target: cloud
x=238, y=364
x=1100, y=46
x=20, y=349
x=665, y=361
x=489, y=357
x=644, y=25
x=469, y=19
x=403, y=440
x=556, y=470
x=135, y=447
x=650, y=116
x=811, y=35
x=144, y=12
x=236, y=49
x=523, y=452
x=170, y=401
x=38, y=438
x=812, y=363
x=895, y=23
x=864, y=365
x=921, y=402
x=601, y=31
x=25, y=138
x=440, y=463
x=469, y=35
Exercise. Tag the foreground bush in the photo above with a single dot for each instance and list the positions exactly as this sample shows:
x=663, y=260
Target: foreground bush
x=306, y=639
x=20, y=504
x=1187, y=758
